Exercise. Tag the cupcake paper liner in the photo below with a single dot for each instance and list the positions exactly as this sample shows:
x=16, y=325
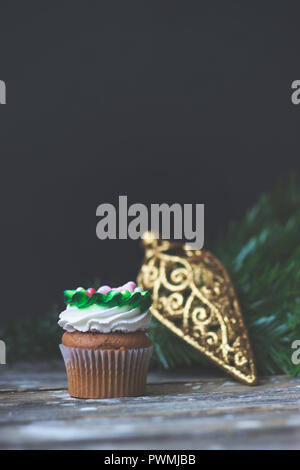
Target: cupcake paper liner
x=101, y=373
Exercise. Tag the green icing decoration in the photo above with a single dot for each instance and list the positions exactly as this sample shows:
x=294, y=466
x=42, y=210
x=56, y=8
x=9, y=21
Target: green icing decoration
x=113, y=298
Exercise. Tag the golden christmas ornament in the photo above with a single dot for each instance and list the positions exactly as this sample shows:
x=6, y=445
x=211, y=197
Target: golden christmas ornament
x=194, y=297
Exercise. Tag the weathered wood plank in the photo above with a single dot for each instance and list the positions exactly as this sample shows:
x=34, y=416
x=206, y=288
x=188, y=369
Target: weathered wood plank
x=46, y=376
x=194, y=414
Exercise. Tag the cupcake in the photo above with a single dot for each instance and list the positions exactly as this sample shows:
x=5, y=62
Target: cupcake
x=105, y=348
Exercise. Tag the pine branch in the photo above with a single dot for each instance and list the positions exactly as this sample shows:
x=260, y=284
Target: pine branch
x=262, y=256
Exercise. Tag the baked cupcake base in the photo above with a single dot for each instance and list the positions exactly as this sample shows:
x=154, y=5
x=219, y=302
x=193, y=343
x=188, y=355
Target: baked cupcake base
x=109, y=367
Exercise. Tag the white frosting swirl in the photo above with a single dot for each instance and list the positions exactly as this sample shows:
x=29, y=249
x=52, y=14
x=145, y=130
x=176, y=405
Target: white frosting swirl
x=103, y=319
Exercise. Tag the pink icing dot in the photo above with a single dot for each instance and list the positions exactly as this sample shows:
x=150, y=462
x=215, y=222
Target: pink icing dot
x=104, y=289
x=128, y=286
x=132, y=286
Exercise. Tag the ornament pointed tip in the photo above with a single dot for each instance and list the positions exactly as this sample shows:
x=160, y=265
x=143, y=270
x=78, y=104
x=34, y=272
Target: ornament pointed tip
x=253, y=380
x=249, y=378
x=250, y=381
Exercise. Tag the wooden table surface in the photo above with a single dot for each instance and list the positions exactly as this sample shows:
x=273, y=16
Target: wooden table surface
x=182, y=411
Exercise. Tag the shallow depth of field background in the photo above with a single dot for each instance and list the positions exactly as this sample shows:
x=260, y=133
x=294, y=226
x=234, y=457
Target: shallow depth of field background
x=162, y=102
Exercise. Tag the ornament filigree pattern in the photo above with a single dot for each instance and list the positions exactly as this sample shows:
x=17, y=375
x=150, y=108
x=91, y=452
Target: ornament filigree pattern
x=193, y=296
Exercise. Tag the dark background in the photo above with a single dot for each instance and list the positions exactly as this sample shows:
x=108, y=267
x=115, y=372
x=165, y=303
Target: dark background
x=163, y=101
